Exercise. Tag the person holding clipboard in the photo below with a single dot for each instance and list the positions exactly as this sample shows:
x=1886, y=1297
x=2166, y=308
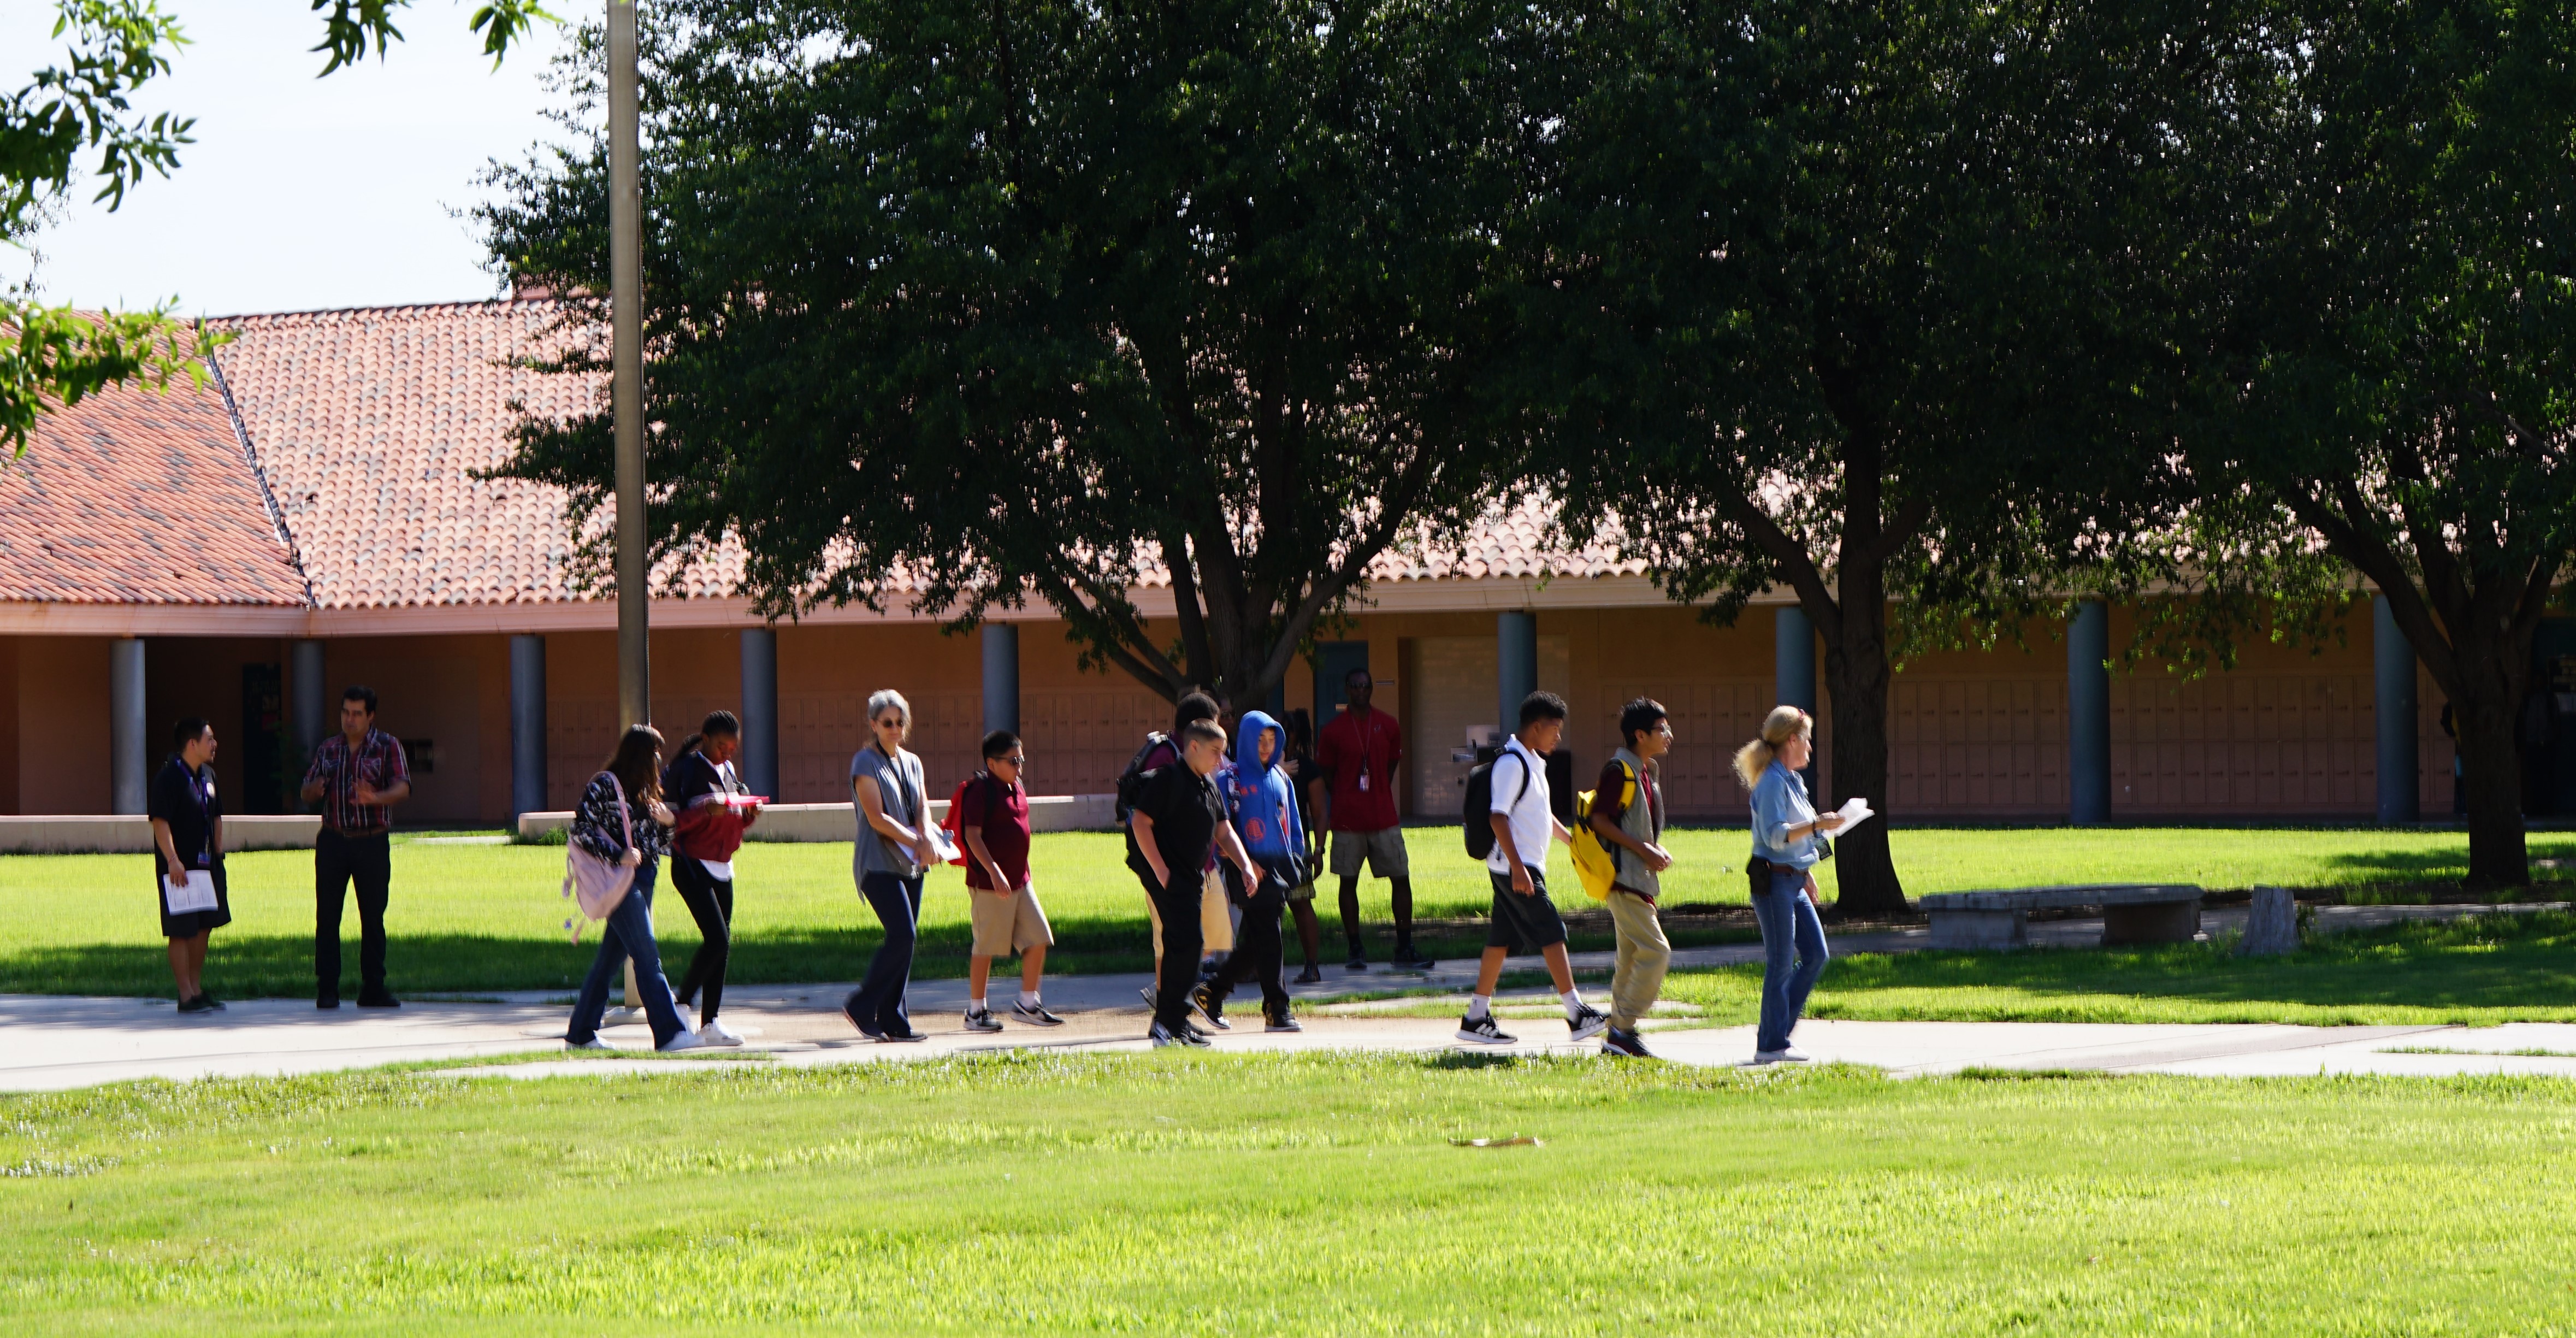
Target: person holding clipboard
x=188, y=857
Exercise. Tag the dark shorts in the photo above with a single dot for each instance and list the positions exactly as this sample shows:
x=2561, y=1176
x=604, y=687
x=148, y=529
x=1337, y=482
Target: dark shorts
x=1523, y=925
x=193, y=923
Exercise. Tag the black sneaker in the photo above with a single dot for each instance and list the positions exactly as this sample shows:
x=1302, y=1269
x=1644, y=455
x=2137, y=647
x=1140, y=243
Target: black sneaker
x=907, y=1034
x=1195, y=1030
x=1210, y=1007
x=210, y=1001
x=1617, y=1042
x=1035, y=1015
x=327, y=1001
x=982, y=1019
x=378, y=998
x=1409, y=955
x=1280, y=1022
x=1312, y=975
x=1587, y=1022
x=1183, y=1037
x=850, y=1010
x=196, y=1003
x=1484, y=1031
x=1148, y=995
x=1356, y=963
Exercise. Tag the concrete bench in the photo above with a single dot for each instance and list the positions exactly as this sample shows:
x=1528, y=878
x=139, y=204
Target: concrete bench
x=2131, y=913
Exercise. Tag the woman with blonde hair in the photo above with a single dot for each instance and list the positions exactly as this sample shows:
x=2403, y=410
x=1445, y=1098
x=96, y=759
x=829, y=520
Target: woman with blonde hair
x=1785, y=851
x=895, y=848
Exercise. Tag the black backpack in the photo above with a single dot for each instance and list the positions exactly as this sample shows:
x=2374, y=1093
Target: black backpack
x=1131, y=782
x=1477, y=818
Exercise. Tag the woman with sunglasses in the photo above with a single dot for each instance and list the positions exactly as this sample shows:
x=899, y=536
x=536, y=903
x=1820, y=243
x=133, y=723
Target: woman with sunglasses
x=894, y=850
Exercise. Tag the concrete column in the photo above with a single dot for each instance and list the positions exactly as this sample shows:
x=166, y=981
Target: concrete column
x=2088, y=715
x=129, y=730
x=1793, y=661
x=1001, y=677
x=2393, y=659
x=759, y=765
x=1516, y=662
x=527, y=725
x=308, y=701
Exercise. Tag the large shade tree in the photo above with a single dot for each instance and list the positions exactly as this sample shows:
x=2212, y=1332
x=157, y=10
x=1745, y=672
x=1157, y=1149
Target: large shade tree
x=82, y=104
x=1829, y=282
x=964, y=305
x=2380, y=289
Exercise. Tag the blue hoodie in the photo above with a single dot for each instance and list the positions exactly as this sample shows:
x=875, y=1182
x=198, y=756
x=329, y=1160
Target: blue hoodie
x=1261, y=800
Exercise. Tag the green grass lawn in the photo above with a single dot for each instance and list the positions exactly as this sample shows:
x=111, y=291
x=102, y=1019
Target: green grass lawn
x=1288, y=1195
x=469, y=918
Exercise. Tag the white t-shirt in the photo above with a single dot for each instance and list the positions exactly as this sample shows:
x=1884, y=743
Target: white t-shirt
x=1533, y=822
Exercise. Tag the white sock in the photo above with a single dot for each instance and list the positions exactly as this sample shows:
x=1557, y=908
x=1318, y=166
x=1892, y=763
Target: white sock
x=1573, y=1004
x=976, y=1005
x=1028, y=998
x=1478, y=1005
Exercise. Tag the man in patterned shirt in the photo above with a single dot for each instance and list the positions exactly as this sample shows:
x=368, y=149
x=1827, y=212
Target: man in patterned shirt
x=359, y=774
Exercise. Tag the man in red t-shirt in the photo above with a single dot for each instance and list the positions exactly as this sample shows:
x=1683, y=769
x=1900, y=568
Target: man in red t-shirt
x=1357, y=754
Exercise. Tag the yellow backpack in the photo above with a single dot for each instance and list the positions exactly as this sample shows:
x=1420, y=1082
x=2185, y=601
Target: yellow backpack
x=1595, y=863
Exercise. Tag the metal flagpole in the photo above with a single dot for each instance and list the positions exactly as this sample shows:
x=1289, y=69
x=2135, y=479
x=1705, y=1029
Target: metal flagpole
x=626, y=393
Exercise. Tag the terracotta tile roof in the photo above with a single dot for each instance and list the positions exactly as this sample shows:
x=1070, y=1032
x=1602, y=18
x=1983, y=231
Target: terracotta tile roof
x=370, y=424
x=139, y=497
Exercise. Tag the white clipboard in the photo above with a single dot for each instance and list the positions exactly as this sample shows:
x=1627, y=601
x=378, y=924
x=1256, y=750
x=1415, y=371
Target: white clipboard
x=193, y=891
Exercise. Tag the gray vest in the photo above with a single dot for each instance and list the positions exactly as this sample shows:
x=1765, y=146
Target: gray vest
x=1638, y=820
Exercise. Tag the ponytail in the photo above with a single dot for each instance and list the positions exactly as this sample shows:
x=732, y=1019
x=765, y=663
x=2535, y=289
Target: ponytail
x=1783, y=724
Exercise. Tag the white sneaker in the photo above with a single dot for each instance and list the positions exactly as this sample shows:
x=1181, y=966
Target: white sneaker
x=687, y=1040
x=1784, y=1055
x=594, y=1043
x=717, y=1033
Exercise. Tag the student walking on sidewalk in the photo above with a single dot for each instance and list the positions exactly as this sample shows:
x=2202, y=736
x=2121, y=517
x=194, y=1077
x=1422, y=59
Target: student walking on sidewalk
x=1628, y=815
x=1002, y=899
x=1159, y=753
x=1178, y=820
x=1525, y=920
x=703, y=790
x=894, y=851
x=188, y=858
x=622, y=820
x=1785, y=851
x=359, y=774
x=1358, y=752
x=1261, y=804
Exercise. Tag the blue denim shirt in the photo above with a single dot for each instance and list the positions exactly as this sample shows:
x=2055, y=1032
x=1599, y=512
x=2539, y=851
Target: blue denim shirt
x=1779, y=803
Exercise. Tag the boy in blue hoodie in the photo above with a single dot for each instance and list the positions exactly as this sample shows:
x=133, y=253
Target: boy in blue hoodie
x=1261, y=803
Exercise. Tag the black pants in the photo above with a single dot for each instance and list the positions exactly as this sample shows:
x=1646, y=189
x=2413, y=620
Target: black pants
x=1178, y=905
x=878, y=1001
x=1258, y=951
x=710, y=902
x=338, y=860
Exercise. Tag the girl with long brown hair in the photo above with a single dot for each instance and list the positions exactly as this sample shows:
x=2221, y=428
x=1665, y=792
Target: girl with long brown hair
x=621, y=819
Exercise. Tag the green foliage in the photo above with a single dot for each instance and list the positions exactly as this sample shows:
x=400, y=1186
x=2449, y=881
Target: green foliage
x=1292, y=1194
x=965, y=305
x=53, y=357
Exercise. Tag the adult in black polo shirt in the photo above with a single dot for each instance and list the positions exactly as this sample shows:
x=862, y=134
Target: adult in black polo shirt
x=1178, y=816
x=188, y=839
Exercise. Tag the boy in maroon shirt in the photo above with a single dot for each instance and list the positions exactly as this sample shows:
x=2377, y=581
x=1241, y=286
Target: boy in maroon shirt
x=993, y=815
x=1357, y=752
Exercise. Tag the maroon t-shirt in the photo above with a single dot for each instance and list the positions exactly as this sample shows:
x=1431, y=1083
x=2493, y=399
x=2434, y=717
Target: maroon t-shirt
x=1358, y=754
x=1003, y=812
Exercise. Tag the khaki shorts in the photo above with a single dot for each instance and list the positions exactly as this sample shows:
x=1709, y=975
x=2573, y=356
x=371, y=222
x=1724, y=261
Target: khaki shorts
x=1216, y=923
x=1383, y=848
x=1007, y=925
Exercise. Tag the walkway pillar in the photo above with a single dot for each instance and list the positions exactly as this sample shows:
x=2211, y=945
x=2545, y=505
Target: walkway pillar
x=308, y=699
x=1793, y=660
x=2088, y=715
x=759, y=765
x=1516, y=664
x=128, y=728
x=527, y=725
x=2393, y=659
x=1001, y=677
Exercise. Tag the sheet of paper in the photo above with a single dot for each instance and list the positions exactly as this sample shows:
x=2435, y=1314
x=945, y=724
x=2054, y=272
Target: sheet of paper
x=942, y=842
x=193, y=891
x=1855, y=811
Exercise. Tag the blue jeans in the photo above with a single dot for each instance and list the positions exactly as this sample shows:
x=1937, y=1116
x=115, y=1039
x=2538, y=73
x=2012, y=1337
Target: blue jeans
x=628, y=932
x=1789, y=925
x=878, y=1001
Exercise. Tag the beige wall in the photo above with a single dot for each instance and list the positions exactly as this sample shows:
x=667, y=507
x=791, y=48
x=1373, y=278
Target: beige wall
x=62, y=758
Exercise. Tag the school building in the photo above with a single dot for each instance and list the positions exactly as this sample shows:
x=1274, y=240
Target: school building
x=312, y=517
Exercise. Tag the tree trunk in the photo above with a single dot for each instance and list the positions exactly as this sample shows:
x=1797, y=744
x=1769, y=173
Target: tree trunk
x=1856, y=667
x=2491, y=774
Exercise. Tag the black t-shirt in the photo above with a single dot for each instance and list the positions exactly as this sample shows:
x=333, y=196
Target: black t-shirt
x=1186, y=809
x=190, y=806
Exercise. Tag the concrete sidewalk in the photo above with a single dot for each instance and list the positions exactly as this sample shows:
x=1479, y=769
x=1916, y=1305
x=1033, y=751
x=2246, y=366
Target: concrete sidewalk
x=58, y=1042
